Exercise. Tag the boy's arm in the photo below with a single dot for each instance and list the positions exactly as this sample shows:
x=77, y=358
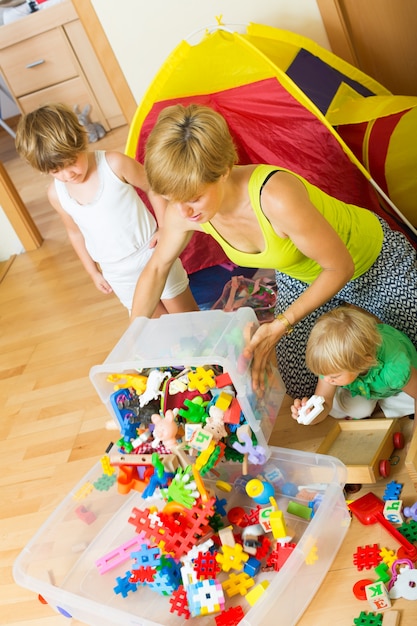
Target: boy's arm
x=78, y=243
x=128, y=170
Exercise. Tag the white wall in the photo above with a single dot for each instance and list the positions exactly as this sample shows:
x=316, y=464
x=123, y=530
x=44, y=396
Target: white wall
x=145, y=32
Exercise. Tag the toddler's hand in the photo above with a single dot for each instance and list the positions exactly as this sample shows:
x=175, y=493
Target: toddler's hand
x=297, y=406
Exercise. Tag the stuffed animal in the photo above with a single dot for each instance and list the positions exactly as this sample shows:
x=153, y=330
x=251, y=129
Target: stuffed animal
x=95, y=131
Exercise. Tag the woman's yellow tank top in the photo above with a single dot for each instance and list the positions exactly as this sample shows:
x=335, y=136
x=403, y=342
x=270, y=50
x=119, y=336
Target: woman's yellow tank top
x=359, y=229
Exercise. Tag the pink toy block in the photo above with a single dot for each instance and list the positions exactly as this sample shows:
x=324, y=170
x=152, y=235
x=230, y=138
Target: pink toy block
x=119, y=555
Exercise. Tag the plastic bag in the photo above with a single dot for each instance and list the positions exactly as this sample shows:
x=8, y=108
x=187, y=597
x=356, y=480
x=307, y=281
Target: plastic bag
x=240, y=291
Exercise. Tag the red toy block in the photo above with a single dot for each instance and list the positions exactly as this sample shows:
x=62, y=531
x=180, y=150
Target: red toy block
x=85, y=515
x=231, y=617
x=232, y=413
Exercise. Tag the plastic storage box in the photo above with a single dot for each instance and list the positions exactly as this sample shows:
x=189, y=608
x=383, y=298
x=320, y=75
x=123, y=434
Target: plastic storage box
x=196, y=339
x=60, y=561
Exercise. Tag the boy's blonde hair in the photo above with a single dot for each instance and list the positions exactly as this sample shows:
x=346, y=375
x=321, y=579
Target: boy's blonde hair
x=187, y=148
x=344, y=339
x=50, y=138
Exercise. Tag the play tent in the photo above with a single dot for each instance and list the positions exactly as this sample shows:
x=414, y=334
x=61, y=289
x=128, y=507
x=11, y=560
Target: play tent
x=280, y=94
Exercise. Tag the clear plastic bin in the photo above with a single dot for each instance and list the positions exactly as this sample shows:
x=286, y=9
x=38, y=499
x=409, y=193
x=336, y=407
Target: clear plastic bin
x=196, y=339
x=59, y=563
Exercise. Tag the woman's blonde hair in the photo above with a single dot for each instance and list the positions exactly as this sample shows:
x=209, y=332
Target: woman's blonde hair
x=344, y=339
x=50, y=138
x=187, y=148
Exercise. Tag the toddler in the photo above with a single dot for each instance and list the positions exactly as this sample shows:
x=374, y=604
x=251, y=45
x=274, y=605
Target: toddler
x=360, y=362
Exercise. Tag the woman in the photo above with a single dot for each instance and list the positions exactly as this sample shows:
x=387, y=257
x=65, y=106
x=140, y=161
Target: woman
x=325, y=252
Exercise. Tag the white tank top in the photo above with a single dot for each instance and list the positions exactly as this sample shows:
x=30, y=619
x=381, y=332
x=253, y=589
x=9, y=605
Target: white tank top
x=116, y=223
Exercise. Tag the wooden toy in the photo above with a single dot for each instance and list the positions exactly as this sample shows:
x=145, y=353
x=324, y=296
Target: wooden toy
x=364, y=446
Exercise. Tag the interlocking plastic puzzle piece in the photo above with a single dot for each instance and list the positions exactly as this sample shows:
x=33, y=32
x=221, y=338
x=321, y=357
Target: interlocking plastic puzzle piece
x=382, y=572
x=105, y=464
x=232, y=557
x=409, y=530
x=278, y=556
x=179, y=603
x=83, y=491
x=206, y=566
x=146, y=556
x=124, y=586
x=367, y=557
x=201, y=379
x=392, y=490
x=388, y=556
x=205, y=597
x=316, y=404
x=368, y=619
x=237, y=584
x=118, y=555
x=231, y=617
x=143, y=575
x=105, y=482
x=312, y=556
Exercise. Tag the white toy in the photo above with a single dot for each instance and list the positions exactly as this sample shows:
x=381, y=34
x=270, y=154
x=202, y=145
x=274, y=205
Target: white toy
x=153, y=386
x=315, y=403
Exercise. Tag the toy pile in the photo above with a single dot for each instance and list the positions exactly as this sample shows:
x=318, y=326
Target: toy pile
x=203, y=540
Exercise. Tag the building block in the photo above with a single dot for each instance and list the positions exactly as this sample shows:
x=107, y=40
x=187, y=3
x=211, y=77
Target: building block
x=391, y=618
x=392, y=511
x=278, y=526
x=119, y=555
x=231, y=617
x=254, y=594
x=205, y=597
x=85, y=515
x=377, y=596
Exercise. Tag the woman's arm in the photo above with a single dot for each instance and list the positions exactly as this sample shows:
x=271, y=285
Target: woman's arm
x=286, y=204
x=172, y=239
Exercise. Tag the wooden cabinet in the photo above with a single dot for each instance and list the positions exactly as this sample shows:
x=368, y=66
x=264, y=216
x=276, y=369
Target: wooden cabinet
x=378, y=36
x=47, y=57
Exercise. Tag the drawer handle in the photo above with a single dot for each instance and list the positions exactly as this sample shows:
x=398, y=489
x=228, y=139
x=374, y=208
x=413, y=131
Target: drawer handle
x=35, y=63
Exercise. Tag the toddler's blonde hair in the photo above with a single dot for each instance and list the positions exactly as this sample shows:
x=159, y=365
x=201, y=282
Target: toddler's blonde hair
x=344, y=339
x=187, y=148
x=50, y=138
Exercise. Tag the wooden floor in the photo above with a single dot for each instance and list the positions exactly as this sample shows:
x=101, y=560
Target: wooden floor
x=54, y=327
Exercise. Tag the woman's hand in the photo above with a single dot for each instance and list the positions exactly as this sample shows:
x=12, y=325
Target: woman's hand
x=260, y=347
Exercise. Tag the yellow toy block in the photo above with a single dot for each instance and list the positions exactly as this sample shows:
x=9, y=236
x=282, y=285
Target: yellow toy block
x=278, y=526
x=223, y=401
x=254, y=594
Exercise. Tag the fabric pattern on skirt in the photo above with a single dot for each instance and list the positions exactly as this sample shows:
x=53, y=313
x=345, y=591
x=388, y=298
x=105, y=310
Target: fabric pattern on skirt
x=388, y=290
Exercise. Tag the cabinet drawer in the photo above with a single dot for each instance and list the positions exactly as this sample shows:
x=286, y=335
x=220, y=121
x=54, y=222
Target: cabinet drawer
x=38, y=62
x=73, y=91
